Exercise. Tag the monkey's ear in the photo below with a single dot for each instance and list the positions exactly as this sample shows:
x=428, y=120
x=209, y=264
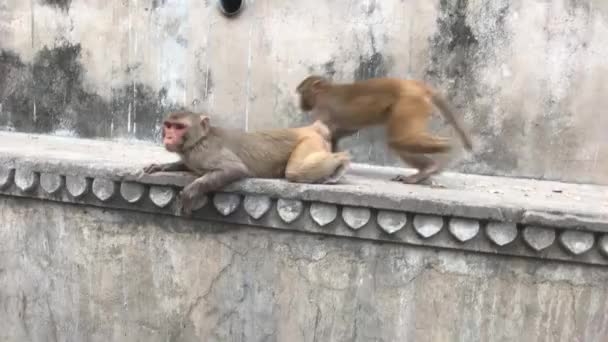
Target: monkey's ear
x=317, y=85
x=204, y=123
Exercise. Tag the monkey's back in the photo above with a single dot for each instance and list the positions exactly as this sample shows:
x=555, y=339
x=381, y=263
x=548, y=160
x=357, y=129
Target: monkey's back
x=265, y=153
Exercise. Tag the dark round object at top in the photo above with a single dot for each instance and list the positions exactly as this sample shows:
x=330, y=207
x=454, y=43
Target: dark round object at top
x=231, y=7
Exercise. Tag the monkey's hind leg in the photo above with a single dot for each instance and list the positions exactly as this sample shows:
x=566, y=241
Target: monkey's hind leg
x=409, y=138
x=318, y=167
x=410, y=149
x=426, y=167
x=421, y=143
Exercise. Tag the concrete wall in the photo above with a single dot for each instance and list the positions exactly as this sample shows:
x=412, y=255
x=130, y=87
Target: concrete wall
x=529, y=77
x=78, y=273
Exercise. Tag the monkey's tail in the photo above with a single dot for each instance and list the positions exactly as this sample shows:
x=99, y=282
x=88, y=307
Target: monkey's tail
x=448, y=114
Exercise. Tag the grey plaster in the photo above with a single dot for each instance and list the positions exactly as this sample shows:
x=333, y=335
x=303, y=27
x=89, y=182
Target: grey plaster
x=79, y=273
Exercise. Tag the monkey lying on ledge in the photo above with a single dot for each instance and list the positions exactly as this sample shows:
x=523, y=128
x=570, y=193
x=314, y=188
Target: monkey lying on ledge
x=220, y=156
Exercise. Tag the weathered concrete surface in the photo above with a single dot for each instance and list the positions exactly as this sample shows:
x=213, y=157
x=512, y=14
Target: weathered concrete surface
x=528, y=201
x=74, y=273
x=529, y=77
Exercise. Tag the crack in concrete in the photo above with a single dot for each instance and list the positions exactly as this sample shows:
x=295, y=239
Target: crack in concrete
x=23, y=315
x=573, y=311
x=317, y=320
x=52, y=321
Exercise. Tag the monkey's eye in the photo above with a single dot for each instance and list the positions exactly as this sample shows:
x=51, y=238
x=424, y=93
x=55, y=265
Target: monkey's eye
x=176, y=125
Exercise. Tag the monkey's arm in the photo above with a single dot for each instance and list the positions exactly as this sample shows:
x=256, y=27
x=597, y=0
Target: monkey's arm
x=209, y=182
x=175, y=166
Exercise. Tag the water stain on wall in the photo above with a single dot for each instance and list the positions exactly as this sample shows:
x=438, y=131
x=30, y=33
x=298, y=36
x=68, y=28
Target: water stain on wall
x=61, y=4
x=158, y=3
x=454, y=46
x=49, y=95
x=329, y=69
x=375, y=65
x=370, y=67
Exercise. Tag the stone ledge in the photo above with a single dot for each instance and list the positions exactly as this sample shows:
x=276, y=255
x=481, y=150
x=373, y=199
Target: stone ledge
x=497, y=215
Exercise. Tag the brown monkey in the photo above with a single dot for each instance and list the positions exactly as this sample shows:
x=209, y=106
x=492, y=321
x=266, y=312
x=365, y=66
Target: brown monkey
x=221, y=156
x=404, y=106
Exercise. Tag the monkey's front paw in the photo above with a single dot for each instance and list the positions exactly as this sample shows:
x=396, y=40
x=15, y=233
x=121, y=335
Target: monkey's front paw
x=185, y=200
x=188, y=199
x=153, y=168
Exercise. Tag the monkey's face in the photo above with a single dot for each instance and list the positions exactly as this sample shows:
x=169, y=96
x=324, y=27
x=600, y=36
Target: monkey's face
x=306, y=102
x=173, y=135
x=308, y=90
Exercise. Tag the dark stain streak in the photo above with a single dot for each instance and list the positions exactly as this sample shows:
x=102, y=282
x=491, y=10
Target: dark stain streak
x=209, y=84
x=372, y=66
x=372, y=7
x=455, y=40
x=182, y=41
x=9, y=58
x=146, y=108
x=63, y=5
x=329, y=68
x=130, y=69
x=49, y=95
x=158, y=3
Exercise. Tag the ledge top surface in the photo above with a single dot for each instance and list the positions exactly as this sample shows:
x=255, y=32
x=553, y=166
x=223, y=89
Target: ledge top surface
x=483, y=197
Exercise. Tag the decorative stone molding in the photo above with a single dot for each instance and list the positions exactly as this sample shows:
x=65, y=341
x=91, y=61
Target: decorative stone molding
x=323, y=213
x=508, y=238
x=161, y=195
x=501, y=233
x=289, y=210
x=50, y=182
x=256, y=206
x=401, y=214
x=391, y=221
x=427, y=225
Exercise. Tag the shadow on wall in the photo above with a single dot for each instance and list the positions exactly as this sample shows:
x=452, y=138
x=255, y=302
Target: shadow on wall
x=48, y=95
x=63, y=5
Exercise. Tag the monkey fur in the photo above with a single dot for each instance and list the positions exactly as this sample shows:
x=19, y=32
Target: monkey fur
x=220, y=156
x=403, y=106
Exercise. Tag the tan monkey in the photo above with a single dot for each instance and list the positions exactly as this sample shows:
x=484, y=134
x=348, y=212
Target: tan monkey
x=403, y=106
x=220, y=156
